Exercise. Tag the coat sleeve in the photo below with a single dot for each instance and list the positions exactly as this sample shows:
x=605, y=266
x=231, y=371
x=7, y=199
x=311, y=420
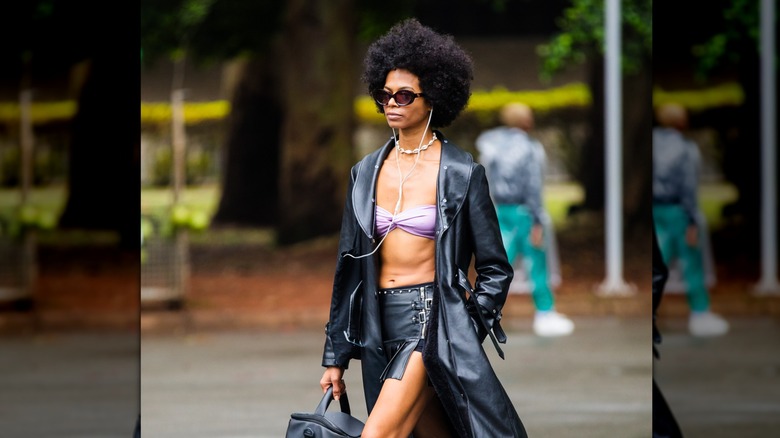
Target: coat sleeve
x=338, y=350
x=534, y=181
x=494, y=272
x=689, y=184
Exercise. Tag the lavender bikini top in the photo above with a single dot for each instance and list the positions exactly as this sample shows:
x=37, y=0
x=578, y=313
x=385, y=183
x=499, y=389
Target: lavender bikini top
x=420, y=221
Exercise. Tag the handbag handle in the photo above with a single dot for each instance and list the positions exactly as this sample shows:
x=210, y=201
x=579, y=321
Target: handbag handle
x=328, y=397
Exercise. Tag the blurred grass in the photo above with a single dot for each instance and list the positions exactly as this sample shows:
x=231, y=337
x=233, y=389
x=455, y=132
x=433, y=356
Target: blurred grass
x=155, y=201
x=712, y=198
x=52, y=199
x=558, y=198
x=204, y=198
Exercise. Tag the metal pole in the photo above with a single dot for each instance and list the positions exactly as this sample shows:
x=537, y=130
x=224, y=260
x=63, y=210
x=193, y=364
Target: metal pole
x=179, y=142
x=29, y=265
x=614, y=283
x=768, y=283
x=26, y=144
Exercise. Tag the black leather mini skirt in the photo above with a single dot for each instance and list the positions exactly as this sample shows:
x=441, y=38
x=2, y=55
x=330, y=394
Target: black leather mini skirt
x=405, y=313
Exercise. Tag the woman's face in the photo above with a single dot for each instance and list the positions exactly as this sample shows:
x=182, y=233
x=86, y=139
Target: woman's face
x=408, y=116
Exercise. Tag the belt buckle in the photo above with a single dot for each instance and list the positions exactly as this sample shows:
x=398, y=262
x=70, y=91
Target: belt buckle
x=427, y=302
x=422, y=317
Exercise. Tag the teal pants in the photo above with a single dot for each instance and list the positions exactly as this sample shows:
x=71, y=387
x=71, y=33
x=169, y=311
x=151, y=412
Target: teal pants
x=515, y=223
x=671, y=223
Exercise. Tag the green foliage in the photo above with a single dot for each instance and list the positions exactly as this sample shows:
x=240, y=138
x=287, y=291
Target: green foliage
x=192, y=14
x=168, y=221
x=9, y=166
x=163, y=166
x=198, y=166
x=582, y=36
x=741, y=29
x=46, y=166
x=160, y=217
x=25, y=218
x=22, y=28
x=374, y=18
x=209, y=30
x=167, y=26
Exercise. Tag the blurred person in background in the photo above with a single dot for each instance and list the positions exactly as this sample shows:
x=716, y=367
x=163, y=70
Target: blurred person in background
x=417, y=213
x=678, y=222
x=515, y=167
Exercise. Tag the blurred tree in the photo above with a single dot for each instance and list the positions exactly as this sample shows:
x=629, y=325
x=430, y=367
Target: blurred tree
x=289, y=144
x=292, y=66
x=581, y=40
x=104, y=160
x=316, y=59
x=24, y=31
x=183, y=20
x=733, y=43
x=739, y=30
x=246, y=33
x=723, y=46
x=47, y=39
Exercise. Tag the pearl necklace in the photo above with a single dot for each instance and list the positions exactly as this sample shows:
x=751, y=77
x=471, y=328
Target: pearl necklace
x=417, y=150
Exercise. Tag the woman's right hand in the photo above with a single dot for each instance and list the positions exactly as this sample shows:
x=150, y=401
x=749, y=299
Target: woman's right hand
x=333, y=376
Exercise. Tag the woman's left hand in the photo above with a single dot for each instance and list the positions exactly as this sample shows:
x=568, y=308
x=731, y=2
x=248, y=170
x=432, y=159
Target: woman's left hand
x=333, y=376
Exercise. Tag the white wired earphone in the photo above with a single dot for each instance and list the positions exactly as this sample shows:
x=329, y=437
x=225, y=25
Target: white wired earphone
x=401, y=179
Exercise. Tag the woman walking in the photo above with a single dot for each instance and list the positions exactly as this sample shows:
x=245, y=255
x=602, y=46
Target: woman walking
x=417, y=214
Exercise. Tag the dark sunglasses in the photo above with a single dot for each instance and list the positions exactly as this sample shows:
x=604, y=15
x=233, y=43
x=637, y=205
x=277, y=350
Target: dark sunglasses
x=401, y=97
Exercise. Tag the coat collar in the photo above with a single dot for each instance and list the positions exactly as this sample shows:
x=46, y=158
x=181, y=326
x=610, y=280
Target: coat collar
x=452, y=184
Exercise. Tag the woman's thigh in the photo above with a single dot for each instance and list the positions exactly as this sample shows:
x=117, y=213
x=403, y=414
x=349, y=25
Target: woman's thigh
x=402, y=403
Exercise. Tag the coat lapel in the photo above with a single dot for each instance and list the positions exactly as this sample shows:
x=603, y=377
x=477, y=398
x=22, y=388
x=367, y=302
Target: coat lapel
x=454, y=174
x=364, y=191
x=453, y=181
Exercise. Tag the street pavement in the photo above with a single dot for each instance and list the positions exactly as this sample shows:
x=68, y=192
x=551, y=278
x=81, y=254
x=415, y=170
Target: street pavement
x=69, y=384
x=723, y=387
x=595, y=383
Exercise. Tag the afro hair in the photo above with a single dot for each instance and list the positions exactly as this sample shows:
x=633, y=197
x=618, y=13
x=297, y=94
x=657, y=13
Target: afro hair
x=444, y=69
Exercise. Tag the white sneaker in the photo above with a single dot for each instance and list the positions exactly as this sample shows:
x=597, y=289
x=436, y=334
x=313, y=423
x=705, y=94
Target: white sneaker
x=707, y=324
x=552, y=323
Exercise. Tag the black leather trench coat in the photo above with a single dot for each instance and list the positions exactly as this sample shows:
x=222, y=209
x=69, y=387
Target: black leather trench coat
x=664, y=423
x=467, y=228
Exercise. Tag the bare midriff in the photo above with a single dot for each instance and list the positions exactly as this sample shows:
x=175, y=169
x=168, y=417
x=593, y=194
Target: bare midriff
x=407, y=259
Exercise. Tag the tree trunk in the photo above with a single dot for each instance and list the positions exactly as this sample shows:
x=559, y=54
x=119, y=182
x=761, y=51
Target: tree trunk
x=638, y=149
x=591, y=173
x=636, y=146
x=742, y=161
x=316, y=65
x=251, y=162
x=104, y=158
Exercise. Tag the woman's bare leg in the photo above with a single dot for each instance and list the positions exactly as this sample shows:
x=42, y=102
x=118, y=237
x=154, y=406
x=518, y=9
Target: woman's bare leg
x=433, y=423
x=402, y=403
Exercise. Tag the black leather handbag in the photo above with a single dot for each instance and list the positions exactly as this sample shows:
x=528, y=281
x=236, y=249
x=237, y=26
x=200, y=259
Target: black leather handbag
x=322, y=424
